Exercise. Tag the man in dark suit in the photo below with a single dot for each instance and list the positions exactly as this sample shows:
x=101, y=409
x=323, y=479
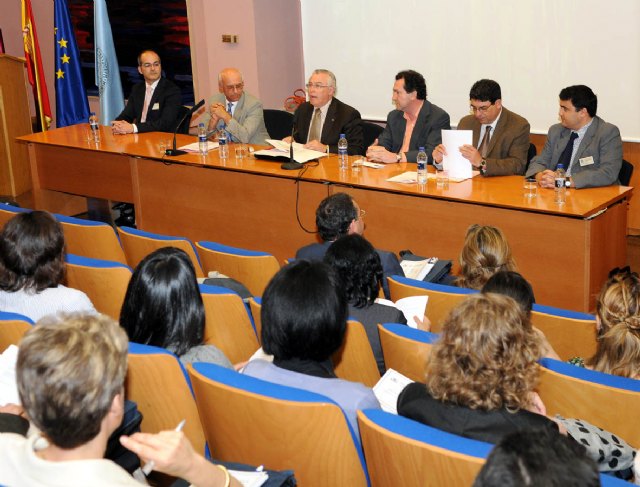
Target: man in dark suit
x=500, y=137
x=319, y=122
x=339, y=215
x=415, y=123
x=153, y=106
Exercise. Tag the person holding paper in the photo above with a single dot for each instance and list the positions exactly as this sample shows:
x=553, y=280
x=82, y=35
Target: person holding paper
x=319, y=122
x=589, y=148
x=500, y=137
x=239, y=113
x=414, y=123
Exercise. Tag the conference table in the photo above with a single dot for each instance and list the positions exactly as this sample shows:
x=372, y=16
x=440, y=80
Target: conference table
x=565, y=251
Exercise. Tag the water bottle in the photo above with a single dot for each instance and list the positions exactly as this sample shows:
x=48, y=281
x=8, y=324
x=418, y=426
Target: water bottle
x=95, y=128
x=422, y=166
x=222, y=143
x=560, y=189
x=203, y=145
x=343, y=158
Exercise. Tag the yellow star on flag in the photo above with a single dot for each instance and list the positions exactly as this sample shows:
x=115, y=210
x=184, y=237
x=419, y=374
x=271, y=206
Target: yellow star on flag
x=59, y=74
x=63, y=43
x=65, y=59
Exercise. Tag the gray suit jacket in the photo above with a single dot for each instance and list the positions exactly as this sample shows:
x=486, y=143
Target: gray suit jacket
x=508, y=145
x=247, y=125
x=602, y=142
x=426, y=132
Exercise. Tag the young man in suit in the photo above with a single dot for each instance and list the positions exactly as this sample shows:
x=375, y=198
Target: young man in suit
x=589, y=147
x=500, y=137
x=238, y=112
x=414, y=123
x=153, y=106
x=319, y=122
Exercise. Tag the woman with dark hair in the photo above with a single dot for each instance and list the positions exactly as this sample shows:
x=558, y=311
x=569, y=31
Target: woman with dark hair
x=163, y=307
x=304, y=318
x=360, y=271
x=32, y=268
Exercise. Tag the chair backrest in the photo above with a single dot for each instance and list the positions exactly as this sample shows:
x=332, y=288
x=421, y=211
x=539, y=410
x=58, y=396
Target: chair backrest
x=90, y=238
x=12, y=328
x=251, y=268
x=354, y=360
x=255, y=305
x=400, y=451
x=7, y=212
x=607, y=401
x=103, y=281
x=570, y=333
x=183, y=128
x=531, y=153
x=626, y=171
x=406, y=349
x=370, y=132
x=160, y=386
x=279, y=123
x=228, y=325
x=138, y=244
x=255, y=422
x=442, y=299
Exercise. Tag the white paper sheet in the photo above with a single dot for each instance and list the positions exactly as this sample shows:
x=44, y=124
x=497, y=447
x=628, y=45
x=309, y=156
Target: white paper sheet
x=458, y=166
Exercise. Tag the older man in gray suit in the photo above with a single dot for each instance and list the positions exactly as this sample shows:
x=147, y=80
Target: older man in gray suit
x=589, y=147
x=239, y=113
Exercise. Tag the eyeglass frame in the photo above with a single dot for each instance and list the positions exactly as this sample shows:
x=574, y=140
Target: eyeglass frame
x=483, y=109
x=316, y=85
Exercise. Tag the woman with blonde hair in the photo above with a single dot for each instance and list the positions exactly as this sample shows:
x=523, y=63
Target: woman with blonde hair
x=485, y=252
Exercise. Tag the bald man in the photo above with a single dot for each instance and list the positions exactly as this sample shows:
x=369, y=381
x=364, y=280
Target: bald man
x=239, y=113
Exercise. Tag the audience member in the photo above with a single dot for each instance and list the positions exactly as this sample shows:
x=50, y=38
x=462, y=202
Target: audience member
x=589, y=148
x=32, y=268
x=414, y=123
x=319, y=122
x=235, y=111
x=485, y=252
x=339, y=215
x=500, y=137
x=304, y=318
x=360, y=271
x=163, y=307
x=153, y=106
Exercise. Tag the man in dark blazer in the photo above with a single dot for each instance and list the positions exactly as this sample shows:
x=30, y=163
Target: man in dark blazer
x=333, y=118
x=339, y=215
x=507, y=140
x=160, y=96
x=594, y=152
x=415, y=123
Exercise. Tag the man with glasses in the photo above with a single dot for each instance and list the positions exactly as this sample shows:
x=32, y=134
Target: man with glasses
x=500, y=137
x=153, y=106
x=235, y=111
x=319, y=122
x=415, y=123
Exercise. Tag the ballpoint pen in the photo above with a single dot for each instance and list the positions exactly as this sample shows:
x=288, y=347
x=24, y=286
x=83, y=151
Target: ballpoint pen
x=149, y=466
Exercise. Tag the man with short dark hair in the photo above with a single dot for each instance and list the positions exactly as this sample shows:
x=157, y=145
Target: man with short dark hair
x=339, y=215
x=589, y=148
x=500, y=137
x=414, y=123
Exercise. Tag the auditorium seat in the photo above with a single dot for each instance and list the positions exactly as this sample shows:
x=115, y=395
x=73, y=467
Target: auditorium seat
x=255, y=306
x=570, y=333
x=12, y=327
x=7, y=212
x=90, y=238
x=354, y=361
x=406, y=349
x=279, y=123
x=370, y=132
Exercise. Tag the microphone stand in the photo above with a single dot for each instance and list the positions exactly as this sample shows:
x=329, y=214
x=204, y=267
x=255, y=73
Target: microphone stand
x=175, y=152
x=292, y=165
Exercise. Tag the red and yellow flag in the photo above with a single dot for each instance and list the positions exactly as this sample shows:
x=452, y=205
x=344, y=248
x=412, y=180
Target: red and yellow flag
x=34, y=65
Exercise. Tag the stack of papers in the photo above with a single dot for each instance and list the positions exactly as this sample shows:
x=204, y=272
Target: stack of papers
x=249, y=479
x=8, y=386
x=195, y=147
x=280, y=148
x=388, y=388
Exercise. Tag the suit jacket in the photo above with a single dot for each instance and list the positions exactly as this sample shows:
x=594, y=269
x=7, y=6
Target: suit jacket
x=602, y=142
x=426, y=132
x=508, y=145
x=163, y=111
x=340, y=119
x=247, y=124
x=389, y=261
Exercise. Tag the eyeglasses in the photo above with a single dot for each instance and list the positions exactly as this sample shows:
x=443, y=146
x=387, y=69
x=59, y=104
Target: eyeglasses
x=237, y=87
x=316, y=85
x=483, y=109
x=148, y=65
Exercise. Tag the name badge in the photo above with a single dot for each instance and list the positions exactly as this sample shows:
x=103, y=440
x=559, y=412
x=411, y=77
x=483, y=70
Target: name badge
x=587, y=161
x=156, y=106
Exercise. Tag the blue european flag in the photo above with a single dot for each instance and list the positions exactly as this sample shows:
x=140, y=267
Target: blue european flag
x=72, y=106
x=107, y=69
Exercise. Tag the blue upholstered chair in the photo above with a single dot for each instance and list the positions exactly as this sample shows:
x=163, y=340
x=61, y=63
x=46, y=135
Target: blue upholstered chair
x=89, y=238
x=12, y=327
x=7, y=212
x=570, y=333
x=406, y=349
x=255, y=422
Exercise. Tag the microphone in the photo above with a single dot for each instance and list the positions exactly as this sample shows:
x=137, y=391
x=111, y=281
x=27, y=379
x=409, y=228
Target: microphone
x=292, y=165
x=175, y=152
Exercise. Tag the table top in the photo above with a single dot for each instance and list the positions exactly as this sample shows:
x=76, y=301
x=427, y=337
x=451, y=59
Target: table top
x=501, y=191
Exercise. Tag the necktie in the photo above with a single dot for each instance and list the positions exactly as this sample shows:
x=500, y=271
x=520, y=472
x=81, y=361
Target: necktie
x=147, y=101
x=484, y=146
x=314, y=132
x=230, y=108
x=565, y=157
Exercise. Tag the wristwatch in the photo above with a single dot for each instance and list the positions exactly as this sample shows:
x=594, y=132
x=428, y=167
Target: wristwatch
x=483, y=167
